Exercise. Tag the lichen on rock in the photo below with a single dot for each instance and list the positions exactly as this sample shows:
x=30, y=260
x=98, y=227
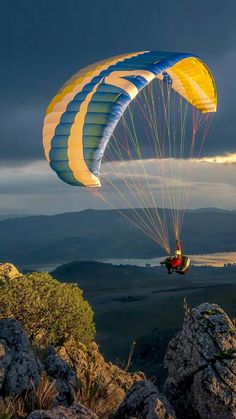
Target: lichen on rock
x=75, y=411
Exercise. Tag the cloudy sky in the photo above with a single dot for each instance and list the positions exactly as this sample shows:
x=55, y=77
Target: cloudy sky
x=43, y=43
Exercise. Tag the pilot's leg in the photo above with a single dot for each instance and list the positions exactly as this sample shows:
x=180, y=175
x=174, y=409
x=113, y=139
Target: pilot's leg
x=168, y=265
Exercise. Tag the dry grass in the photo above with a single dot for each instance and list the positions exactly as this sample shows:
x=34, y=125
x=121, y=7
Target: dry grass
x=12, y=407
x=40, y=397
x=96, y=392
x=186, y=308
x=42, y=394
x=131, y=353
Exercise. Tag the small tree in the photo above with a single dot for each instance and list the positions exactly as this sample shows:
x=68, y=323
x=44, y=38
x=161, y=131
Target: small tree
x=49, y=311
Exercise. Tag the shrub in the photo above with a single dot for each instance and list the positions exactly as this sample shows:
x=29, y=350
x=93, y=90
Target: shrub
x=49, y=311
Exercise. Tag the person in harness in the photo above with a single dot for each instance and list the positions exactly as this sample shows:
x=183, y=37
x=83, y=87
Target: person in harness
x=177, y=263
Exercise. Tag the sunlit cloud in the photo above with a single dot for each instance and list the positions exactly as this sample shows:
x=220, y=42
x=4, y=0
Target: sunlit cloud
x=35, y=188
x=229, y=158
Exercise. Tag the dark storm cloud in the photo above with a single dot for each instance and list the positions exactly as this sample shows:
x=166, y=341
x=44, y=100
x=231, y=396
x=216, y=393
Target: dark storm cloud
x=42, y=43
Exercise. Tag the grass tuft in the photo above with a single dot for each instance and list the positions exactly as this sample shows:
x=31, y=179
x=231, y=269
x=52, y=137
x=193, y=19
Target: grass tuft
x=43, y=394
x=12, y=407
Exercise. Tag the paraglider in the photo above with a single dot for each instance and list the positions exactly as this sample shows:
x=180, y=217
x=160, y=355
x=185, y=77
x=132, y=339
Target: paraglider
x=79, y=134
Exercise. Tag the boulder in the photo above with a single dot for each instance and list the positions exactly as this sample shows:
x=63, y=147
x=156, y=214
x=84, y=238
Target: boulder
x=62, y=374
x=201, y=363
x=20, y=369
x=75, y=411
x=144, y=401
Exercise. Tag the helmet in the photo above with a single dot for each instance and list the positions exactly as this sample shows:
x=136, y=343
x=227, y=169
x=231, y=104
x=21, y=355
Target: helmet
x=178, y=252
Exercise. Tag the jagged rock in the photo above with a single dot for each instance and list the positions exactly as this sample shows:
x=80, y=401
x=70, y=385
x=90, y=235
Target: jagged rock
x=75, y=411
x=19, y=366
x=64, y=376
x=89, y=365
x=144, y=401
x=8, y=271
x=201, y=362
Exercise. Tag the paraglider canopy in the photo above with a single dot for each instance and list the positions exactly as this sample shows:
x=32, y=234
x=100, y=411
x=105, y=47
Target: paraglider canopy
x=83, y=115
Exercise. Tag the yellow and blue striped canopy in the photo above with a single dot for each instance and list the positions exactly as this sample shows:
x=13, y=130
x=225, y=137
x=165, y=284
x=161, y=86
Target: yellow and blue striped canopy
x=82, y=116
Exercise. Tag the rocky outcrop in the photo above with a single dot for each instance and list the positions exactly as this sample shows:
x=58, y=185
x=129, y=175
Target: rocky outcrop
x=144, y=401
x=9, y=271
x=20, y=369
x=87, y=361
x=75, y=411
x=201, y=363
x=75, y=372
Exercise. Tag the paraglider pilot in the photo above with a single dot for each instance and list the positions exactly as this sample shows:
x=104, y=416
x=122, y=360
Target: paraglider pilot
x=175, y=261
x=178, y=262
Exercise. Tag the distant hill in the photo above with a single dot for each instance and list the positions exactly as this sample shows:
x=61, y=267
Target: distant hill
x=212, y=209
x=94, y=275
x=100, y=234
x=10, y=216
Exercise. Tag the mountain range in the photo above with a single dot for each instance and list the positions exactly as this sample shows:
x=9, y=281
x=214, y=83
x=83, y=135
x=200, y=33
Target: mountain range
x=106, y=234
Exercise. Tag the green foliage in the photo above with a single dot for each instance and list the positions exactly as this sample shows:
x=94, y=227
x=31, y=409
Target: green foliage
x=211, y=312
x=231, y=353
x=49, y=311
